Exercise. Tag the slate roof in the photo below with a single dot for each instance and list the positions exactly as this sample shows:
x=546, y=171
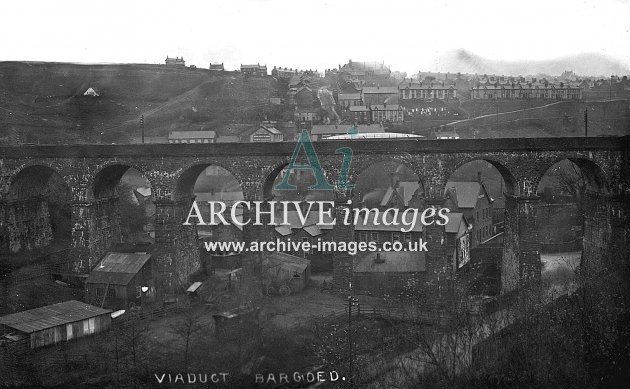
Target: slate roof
x=51, y=316
x=454, y=225
x=381, y=89
x=466, y=193
x=278, y=263
x=386, y=107
x=414, y=85
x=192, y=135
x=118, y=268
x=349, y=96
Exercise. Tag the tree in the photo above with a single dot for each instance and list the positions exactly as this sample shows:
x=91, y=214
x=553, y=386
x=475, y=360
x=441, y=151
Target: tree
x=187, y=329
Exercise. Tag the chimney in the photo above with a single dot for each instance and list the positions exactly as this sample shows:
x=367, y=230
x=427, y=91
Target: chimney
x=479, y=177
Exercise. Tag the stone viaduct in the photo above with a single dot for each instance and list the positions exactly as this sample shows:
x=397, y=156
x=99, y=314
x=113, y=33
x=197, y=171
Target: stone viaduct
x=79, y=181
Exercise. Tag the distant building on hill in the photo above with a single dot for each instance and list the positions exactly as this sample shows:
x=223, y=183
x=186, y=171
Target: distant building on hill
x=359, y=114
x=379, y=94
x=387, y=112
x=347, y=100
x=423, y=91
x=365, y=70
x=192, y=137
x=92, y=92
x=254, y=70
x=175, y=62
x=524, y=91
x=307, y=114
x=217, y=67
x=283, y=73
x=266, y=134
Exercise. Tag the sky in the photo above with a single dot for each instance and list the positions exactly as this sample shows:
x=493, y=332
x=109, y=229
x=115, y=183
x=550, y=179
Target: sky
x=407, y=35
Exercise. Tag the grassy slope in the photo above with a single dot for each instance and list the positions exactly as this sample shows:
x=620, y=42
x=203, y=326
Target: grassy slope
x=44, y=101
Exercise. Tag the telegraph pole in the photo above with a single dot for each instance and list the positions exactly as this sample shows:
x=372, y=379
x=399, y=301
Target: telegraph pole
x=586, y=121
x=610, y=89
x=142, y=126
x=351, y=301
x=497, y=116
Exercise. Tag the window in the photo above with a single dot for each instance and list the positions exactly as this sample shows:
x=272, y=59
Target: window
x=374, y=236
x=88, y=326
x=395, y=237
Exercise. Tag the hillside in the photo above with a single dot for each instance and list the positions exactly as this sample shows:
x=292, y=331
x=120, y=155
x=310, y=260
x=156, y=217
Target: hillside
x=563, y=118
x=586, y=64
x=44, y=102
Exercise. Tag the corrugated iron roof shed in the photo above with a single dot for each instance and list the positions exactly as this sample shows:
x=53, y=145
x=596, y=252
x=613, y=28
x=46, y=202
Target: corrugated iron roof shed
x=192, y=134
x=50, y=316
x=118, y=268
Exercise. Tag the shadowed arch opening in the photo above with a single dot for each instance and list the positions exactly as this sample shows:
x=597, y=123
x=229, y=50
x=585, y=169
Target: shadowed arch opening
x=131, y=190
x=303, y=180
x=563, y=190
x=212, y=183
x=40, y=201
x=388, y=184
x=210, y=178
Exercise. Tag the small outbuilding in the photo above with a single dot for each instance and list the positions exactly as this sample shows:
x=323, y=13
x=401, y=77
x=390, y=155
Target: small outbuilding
x=92, y=92
x=285, y=273
x=121, y=280
x=55, y=323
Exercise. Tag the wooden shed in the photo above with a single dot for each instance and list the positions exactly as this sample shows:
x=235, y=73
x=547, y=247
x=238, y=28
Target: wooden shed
x=285, y=271
x=121, y=280
x=56, y=323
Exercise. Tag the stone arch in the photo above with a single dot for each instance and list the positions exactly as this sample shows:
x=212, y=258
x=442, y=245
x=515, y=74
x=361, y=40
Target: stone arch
x=595, y=176
x=104, y=181
x=362, y=163
x=398, y=166
x=131, y=212
x=42, y=192
x=509, y=178
x=266, y=187
x=184, y=184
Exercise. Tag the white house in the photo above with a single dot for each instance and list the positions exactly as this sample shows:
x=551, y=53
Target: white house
x=91, y=92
